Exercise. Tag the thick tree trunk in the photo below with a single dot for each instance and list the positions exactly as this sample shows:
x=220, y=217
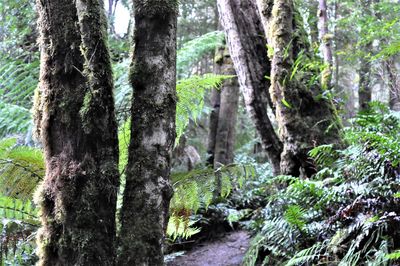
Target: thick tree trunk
x=394, y=85
x=312, y=20
x=305, y=118
x=225, y=138
x=144, y=214
x=326, y=43
x=75, y=119
x=247, y=48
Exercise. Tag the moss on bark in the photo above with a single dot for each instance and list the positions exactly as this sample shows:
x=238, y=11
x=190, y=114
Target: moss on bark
x=77, y=198
x=144, y=214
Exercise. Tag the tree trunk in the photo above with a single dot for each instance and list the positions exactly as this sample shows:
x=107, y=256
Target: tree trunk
x=326, y=44
x=364, y=85
x=144, y=214
x=247, y=47
x=76, y=122
x=215, y=105
x=394, y=85
x=225, y=138
x=305, y=118
x=365, y=75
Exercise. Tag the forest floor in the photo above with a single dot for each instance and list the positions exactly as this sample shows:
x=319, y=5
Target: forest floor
x=226, y=251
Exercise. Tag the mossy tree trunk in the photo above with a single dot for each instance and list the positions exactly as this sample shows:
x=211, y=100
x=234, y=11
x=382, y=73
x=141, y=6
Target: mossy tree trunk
x=225, y=101
x=215, y=101
x=247, y=47
x=225, y=138
x=326, y=43
x=305, y=118
x=74, y=115
x=144, y=214
x=365, y=71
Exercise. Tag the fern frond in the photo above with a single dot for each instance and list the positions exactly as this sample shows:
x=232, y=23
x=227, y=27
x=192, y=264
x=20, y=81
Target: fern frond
x=194, y=50
x=21, y=169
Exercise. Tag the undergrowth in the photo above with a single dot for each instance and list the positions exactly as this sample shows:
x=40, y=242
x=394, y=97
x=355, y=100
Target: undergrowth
x=348, y=213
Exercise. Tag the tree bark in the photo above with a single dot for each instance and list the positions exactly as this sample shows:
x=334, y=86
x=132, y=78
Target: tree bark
x=144, y=214
x=76, y=123
x=326, y=44
x=394, y=85
x=365, y=75
x=215, y=105
x=247, y=47
x=225, y=138
x=305, y=118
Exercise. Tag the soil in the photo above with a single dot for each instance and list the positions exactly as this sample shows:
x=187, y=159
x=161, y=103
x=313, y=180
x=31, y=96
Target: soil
x=226, y=251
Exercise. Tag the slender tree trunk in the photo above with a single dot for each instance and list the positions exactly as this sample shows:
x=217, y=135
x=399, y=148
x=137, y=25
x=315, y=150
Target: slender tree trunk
x=305, y=118
x=365, y=83
x=326, y=43
x=247, y=47
x=365, y=75
x=76, y=123
x=313, y=20
x=394, y=84
x=215, y=105
x=225, y=139
x=144, y=214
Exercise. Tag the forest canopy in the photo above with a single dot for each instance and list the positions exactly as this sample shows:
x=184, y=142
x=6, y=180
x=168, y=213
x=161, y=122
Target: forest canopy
x=200, y=132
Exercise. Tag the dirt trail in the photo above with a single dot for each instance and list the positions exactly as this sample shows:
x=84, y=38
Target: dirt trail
x=226, y=251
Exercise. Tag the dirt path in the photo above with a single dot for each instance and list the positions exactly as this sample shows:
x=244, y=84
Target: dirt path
x=227, y=251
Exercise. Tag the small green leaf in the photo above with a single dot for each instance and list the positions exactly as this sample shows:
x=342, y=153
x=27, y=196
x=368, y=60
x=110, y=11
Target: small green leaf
x=285, y=103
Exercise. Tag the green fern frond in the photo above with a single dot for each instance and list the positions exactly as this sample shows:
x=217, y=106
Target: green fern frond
x=295, y=216
x=191, y=93
x=21, y=169
x=307, y=256
x=194, y=50
x=15, y=209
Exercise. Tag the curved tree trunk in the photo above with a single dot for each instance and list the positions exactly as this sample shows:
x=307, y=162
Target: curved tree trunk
x=247, y=47
x=75, y=119
x=305, y=118
x=144, y=214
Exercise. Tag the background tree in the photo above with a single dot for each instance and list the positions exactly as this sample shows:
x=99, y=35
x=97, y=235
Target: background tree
x=247, y=47
x=76, y=123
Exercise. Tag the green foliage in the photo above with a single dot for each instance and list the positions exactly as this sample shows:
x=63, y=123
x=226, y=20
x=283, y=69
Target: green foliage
x=295, y=216
x=347, y=214
x=21, y=169
x=191, y=93
x=18, y=81
x=196, y=190
x=192, y=51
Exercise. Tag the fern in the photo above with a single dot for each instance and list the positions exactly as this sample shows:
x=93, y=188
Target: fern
x=307, y=256
x=194, y=50
x=191, y=94
x=294, y=215
x=21, y=169
x=18, y=81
